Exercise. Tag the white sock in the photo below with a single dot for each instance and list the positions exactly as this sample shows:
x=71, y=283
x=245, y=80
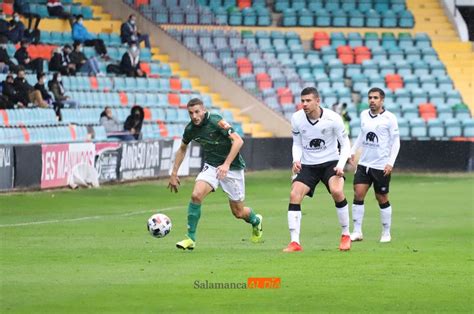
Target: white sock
x=343, y=215
x=294, y=224
x=386, y=218
x=358, y=217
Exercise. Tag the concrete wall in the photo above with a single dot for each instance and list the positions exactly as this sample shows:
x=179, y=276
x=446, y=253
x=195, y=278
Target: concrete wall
x=208, y=75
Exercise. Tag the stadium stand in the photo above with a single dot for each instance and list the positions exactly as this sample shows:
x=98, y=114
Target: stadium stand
x=360, y=44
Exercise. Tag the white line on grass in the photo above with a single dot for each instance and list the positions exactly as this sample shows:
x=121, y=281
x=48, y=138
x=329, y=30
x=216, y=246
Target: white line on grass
x=54, y=221
x=84, y=218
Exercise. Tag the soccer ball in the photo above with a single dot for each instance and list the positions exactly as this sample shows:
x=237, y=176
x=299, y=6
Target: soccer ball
x=159, y=225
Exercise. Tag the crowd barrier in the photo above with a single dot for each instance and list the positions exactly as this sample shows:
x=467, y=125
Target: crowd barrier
x=51, y=165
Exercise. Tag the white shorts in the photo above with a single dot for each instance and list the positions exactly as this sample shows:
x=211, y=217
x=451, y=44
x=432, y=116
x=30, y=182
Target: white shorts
x=233, y=184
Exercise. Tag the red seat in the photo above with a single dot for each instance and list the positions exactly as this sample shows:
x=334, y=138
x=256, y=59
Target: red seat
x=175, y=83
x=174, y=99
x=93, y=82
x=393, y=78
x=244, y=3
x=123, y=98
x=427, y=111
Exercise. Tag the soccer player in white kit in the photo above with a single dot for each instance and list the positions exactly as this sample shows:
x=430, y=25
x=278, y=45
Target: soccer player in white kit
x=379, y=139
x=316, y=133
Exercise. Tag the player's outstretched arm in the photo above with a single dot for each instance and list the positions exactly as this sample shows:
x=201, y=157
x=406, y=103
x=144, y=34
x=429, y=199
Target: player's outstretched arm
x=237, y=143
x=174, y=179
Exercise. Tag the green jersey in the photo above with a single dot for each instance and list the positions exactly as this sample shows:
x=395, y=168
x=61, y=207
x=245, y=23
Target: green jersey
x=213, y=135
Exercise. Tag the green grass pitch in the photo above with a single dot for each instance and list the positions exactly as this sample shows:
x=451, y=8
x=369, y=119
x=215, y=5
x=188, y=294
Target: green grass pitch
x=88, y=251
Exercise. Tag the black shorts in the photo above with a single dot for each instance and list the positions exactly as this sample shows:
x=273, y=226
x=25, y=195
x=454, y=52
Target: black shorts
x=310, y=175
x=368, y=176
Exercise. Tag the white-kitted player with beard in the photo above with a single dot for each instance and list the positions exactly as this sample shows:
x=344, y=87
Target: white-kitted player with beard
x=316, y=133
x=379, y=139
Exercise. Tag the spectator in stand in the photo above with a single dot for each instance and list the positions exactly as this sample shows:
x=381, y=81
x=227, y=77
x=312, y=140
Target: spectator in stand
x=40, y=86
x=23, y=58
x=55, y=8
x=4, y=27
x=10, y=96
x=130, y=64
x=17, y=29
x=26, y=93
x=60, y=98
x=23, y=8
x=6, y=63
x=84, y=65
x=134, y=121
x=61, y=61
x=80, y=33
x=113, y=127
x=129, y=32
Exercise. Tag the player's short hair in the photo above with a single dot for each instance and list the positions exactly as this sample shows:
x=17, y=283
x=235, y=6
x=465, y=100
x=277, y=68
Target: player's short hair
x=194, y=102
x=377, y=90
x=310, y=91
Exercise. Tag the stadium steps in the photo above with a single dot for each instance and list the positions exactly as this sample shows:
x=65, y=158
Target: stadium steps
x=456, y=55
x=459, y=60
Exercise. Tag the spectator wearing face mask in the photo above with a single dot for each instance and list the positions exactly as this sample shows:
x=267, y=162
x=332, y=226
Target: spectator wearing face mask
x=129, y=32
x=6, y=64
x=26, y=93
x=23, y=8
x=84, y=65
x=23, y=58
x=134, y=121
x=82, y=35
x=113, y=127
x=60, y=98
x=40, y=86
x=130, y=64
x=61, y=61
x=10, y=98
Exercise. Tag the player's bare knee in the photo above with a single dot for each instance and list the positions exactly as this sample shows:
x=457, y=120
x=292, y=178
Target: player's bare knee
x=197, y=197
x=295, y=196
x=338, y=195
x=381, y=198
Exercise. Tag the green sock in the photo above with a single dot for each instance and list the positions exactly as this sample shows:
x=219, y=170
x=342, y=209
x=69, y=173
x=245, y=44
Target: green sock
x=194, y=213
x=253, y=219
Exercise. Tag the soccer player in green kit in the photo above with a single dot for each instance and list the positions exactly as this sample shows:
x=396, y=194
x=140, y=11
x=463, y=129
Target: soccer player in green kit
x=223, y=166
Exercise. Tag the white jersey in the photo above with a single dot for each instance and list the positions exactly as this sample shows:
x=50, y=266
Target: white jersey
x=379, y=138
x=315, y=142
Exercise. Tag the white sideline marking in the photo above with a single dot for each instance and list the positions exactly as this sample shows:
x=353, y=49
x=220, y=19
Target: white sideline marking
x=107, y=216
x=85, y=218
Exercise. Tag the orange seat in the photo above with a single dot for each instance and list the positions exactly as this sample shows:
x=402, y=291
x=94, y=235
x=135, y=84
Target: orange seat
x=72, y=130
x=319, y=43
x=145, y=67
x=7, y=8
x=146, y=114
x=26, y=134
x=359, y=58
x=346, y=58
x=427, y=111
x=320, y=35
x=123, y=98
x=393, y=78
x=393, y=86
x=140, y=2
x=344, y=49
x=244, y=3
x=163, y=129
x=265, y=84
x=4, y=115
x=93, y=82
x=175, y=83
x=174, y=99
